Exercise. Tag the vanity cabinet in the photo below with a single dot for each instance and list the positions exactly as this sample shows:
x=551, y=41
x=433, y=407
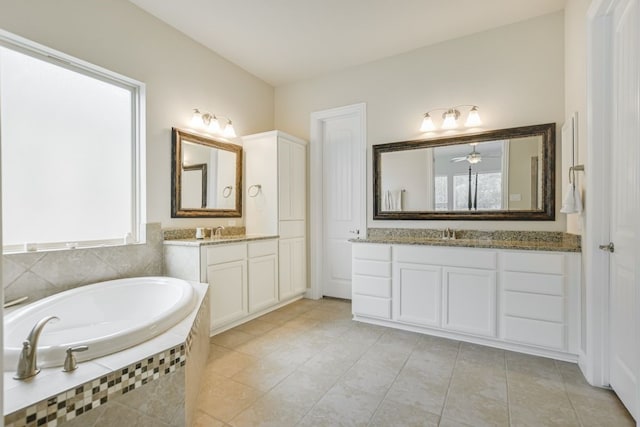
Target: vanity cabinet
x=275, y=162
x=227, y=278
x=243, y=277
x=521, y=300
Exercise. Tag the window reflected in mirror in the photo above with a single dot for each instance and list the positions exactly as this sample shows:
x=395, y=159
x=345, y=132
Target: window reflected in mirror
x=500, y=173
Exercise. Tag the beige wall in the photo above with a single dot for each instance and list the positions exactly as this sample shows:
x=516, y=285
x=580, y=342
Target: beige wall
x=179, y=74
x=514, y=73
x=576, y=91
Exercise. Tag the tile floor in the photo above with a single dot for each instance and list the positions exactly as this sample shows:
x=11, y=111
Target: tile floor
x=309, y=364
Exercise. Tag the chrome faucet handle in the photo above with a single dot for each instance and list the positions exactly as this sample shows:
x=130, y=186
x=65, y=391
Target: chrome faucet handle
x=70, y=362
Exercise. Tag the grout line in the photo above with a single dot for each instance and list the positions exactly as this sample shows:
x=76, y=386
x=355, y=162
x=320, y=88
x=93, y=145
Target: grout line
x=453, y=371
x=506, y=376
x=564, y=387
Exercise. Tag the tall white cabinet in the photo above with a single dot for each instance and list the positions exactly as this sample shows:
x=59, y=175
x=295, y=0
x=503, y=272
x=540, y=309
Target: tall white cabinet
x=275, y=202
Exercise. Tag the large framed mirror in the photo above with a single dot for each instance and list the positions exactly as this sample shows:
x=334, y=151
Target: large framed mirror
x=206, y=177
x=506, y=174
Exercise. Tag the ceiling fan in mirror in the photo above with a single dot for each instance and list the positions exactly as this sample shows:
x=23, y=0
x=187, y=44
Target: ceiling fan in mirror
x=473, y=157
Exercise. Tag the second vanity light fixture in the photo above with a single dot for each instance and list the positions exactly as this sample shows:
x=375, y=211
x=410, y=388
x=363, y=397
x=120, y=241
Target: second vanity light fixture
x=450, y=118
x=210, y=122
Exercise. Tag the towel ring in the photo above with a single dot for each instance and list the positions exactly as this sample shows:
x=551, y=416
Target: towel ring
x=226, y=191
x=254, y=190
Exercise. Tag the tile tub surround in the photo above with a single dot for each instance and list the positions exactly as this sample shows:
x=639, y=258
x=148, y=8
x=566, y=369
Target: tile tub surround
x=501, y=239
x=190, y=233
x=309, y=364
x=54, y=398
x=44, y=273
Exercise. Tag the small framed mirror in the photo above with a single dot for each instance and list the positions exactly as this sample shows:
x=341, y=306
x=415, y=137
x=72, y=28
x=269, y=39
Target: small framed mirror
x=206, y=177
x=506, y=174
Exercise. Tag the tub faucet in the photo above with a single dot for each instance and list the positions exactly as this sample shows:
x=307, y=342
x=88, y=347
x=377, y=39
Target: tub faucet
x=27, y=363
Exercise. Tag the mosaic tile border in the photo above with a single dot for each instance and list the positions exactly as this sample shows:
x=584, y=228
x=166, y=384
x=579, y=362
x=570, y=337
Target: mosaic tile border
x=74, y=402
x=78, y=400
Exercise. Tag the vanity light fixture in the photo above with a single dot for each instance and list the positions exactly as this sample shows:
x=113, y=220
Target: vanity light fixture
x=450, y=118
x=210, y=123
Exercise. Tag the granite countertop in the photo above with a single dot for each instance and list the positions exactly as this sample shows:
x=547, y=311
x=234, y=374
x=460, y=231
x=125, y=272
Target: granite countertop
x=476, y=243
x=491, y=239
x=218, y=240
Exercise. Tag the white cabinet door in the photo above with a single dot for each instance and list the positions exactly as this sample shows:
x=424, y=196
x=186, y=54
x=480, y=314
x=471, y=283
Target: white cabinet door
x=292, y=270
x=228, y=290
x=417, y=291
x=263, y=282
x=291, y=180
x=469, y=301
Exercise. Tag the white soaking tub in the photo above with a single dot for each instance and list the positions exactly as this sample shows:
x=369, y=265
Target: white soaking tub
x=107, y=316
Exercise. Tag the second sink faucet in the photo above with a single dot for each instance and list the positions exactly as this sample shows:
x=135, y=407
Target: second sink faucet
x=28, y=363
x=219, y=231
x=448, y=234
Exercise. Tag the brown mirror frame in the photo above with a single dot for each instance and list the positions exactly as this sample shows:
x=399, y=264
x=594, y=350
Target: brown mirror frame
x=547, y=213
x=177, y=136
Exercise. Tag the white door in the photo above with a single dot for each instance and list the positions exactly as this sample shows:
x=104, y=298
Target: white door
x=625, y=205
x=338, y=196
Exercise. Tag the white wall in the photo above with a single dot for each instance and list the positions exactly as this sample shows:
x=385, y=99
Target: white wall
x=576, y=91
x=514, y=73
x=180, y=75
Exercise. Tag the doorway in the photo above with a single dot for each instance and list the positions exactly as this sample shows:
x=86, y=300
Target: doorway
x=338, y=196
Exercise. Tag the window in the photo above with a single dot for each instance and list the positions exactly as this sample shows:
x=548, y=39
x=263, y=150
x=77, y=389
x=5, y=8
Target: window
x=442, y=193
x=72, y=158
x=489, y=193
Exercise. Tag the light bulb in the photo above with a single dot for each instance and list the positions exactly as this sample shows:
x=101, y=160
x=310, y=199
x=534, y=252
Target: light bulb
x=450, y=120
x=427, y=124
x=196, y=119
x=214, y=125
x=473, y=119
x=229, y=132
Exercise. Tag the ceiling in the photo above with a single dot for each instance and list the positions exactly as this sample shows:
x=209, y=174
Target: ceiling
x=283, y=41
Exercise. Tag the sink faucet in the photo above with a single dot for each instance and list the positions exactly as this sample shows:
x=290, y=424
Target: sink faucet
x=219, y=231
x=27, y=363
x=448, y=234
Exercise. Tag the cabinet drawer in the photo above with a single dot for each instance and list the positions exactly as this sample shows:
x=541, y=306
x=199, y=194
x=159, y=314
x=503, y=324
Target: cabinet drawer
x=371, y=306
x=534, y=306
x=452, y=257
x=536, y=332
x=263, y=248
x=533, y=262
x=372, y=286
x=371, y=252
x=371, y=268
x=531, y=282
x=226, y=253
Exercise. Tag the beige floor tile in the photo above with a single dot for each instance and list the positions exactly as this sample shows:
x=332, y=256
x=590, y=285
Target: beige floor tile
x=279, y=317
x=232, y=338
x=269, y=411
x=256, y=327
x=374, y=378
x=490, y=383
x=202, y=419
x=264, y=374
x=541, y=402
x=488, y=356
x=302, y=389
x=391, y=413
x=599, y=407
x=476, y=410
x=447, y=422
x=342, y=406
x=229, y=362
x=413, y=388
x=533, y=365
x=225, y=398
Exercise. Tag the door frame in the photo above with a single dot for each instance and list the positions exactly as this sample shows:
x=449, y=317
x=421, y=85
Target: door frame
x=595, y=360
x=316, y=220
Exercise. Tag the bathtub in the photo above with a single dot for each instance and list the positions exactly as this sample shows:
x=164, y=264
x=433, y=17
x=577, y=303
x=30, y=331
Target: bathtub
x=107, y=316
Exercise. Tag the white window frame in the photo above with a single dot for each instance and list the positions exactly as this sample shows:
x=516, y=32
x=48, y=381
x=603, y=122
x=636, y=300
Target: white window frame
x=138, y=137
